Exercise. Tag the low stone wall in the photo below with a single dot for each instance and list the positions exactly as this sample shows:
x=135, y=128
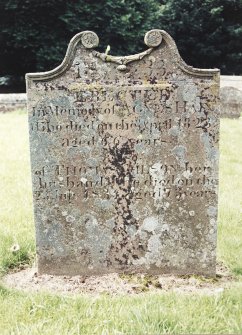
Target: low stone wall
x=12, y=101
x=231, y=81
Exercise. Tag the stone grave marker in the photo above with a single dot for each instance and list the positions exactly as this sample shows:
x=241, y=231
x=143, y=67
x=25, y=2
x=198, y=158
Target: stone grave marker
x=124, y=154
x=231, y=102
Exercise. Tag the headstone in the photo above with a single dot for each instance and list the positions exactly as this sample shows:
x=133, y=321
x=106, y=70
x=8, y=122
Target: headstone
x=231, y=102
x=124, y=154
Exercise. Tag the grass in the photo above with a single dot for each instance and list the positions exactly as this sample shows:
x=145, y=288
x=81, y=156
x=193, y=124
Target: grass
x=143, y=314
x=147, y=313
x=230, y=195
x=16, y=217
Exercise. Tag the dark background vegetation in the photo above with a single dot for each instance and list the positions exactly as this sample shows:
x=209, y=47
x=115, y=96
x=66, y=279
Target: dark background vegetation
x=34, y=34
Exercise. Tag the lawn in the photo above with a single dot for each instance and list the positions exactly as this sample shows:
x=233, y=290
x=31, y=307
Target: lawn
x=146, y=313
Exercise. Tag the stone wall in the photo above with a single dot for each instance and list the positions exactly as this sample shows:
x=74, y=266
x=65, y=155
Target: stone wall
x=12, y=101
x=231, y=81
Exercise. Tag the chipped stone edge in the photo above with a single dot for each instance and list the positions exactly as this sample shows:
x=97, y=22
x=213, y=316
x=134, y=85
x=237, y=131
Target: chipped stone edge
x=70, y=54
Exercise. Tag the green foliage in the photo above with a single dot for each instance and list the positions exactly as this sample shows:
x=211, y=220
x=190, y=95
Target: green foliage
x=35, y=34
x=121, y=24
x=208, y=32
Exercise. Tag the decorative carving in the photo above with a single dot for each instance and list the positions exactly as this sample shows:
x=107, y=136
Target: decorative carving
x=153, y=38
x=90, y=40
x=122, y=61
x=122, y=67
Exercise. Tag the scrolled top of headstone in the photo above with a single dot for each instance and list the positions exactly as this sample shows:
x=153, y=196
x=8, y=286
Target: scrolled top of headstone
x=89, y=39
x=153, y=38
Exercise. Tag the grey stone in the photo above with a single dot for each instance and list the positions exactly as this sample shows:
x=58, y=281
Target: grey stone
x=124, y=154
x=231, y=102
x=12, y=101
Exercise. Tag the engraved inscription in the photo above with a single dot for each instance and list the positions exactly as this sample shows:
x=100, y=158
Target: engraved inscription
x=125, y=163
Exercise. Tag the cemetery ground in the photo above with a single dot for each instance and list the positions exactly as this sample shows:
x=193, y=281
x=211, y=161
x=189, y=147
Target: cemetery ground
x=143, y=305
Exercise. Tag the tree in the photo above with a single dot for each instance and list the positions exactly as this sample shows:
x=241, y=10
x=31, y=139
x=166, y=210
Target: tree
x=208, y=32
x=35, y=34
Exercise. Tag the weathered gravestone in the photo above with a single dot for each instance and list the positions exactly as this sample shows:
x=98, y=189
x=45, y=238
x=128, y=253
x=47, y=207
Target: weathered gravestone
x=231, y=102
x=124, y=154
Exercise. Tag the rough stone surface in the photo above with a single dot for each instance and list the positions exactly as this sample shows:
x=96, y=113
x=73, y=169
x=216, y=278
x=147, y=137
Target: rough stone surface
x=124, y=154
x=231, y=102
x=12, y=101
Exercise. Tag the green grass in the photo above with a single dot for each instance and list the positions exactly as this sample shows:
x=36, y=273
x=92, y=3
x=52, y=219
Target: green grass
x=230, y=195
x=16, y=216
x=144, y=314
x=147, y=313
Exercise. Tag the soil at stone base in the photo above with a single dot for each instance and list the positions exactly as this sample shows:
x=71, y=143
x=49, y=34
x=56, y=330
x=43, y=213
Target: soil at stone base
x=28, y=280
